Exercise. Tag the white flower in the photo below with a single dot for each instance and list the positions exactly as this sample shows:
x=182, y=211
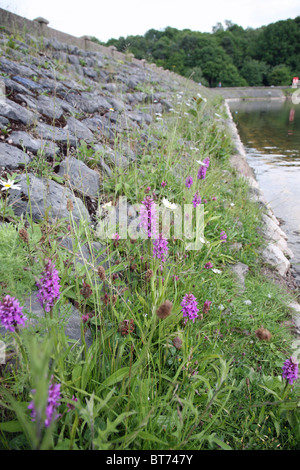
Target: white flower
x=9, y=184
x=247, y=302
x=168, y=204
x=221, y=307
x=108, y=204
x=216, y=271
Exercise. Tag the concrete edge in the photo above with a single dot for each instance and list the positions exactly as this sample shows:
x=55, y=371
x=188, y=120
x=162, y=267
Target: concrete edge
x=239, y=162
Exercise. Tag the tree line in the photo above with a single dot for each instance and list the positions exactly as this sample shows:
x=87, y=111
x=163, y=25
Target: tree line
x=230, y=54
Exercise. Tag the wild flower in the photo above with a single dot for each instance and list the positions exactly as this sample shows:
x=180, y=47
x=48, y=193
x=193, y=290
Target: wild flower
x=11, y=314
x=216, y=271
x=116, y=236
x=206, y=306
x=86, y=290
x=160, y=248
x=203, y=168
x=189, y=182
x=9, y=184
x=189, y=307
x=48, y=286
x=177, y=342
x=223, y=236
x=126, y=327
x=196, y=200
x=52, y=404
x=290, y=370
x=208, y=265
x=107, y=205
x=148, y=217
x=168, y=204
x=163, y=184
x=70, y=406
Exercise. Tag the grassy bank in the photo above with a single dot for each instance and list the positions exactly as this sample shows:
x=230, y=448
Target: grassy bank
x=152, y=378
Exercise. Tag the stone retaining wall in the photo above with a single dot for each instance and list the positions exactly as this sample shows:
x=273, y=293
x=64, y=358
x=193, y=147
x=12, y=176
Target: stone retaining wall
x=252, y=92
x=16, y=24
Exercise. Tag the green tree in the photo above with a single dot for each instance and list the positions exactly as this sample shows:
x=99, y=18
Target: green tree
x=255, y=72
x=230, y=54
x=280, y=75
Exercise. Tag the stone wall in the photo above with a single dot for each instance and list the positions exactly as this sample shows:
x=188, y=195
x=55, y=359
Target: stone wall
x=13, y=23
x=252, y=92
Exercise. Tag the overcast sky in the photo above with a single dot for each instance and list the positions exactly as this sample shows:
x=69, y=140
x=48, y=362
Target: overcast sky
x=107, y=19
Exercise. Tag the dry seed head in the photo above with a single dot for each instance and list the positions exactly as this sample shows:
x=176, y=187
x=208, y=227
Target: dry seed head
x=126, y=327
x=164, y=310
x=86, y=290
x=70, y=206
x=24, y=235
x=263, y=334
x=149, y=274
x=101, y=273
x=177, y=342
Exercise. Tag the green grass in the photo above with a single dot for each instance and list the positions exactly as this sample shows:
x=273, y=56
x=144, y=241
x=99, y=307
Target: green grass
x=223, y=388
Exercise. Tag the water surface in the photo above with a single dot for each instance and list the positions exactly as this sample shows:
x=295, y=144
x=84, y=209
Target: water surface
x=270, y=132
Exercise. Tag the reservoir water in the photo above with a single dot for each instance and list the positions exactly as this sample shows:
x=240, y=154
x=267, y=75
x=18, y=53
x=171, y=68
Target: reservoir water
x=270, y=133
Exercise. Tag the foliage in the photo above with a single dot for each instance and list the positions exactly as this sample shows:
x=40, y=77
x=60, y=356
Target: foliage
x=230, y=54
x=134, y=380
x=279, y=75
